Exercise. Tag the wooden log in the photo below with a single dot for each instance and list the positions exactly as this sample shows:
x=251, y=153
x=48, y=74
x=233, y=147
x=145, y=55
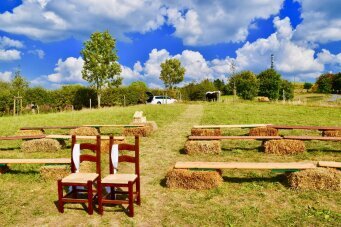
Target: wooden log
x=21, y=137
x=36, y=161
x=49, y=127
x=82, y=137
x=320, y=128
x=329, y=164
x=245, y=165
x=313, y=138
x=116, y=126
x=232, y=126
x=234, y=137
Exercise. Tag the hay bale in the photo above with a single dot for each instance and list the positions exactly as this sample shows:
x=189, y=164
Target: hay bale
x=29, y=133
x=332, y=133
x=87, y=167
x=263, y=131
x=152, y=125
x=105, y=145
x=205, y=132
x=202, y=147
x=3, y=168
x=318, y=178
x=263, y=99
x=284, y=147
x=40, y=145
x=188, y=179
x=54, y=172
x=84, y=131
x=140, y=131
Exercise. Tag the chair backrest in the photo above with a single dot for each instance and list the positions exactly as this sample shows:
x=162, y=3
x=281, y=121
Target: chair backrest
x=94, y=147
x=126, y=158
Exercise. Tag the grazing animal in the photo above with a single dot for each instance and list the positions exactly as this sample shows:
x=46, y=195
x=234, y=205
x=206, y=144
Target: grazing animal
x=212, y=95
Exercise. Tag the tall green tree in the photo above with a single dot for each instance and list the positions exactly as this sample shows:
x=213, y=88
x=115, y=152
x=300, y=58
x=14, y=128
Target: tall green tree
x=172, y=72
x=325, y=83
x=246, y=84
x=19, y=84
x=100, y=62
x=269, y=84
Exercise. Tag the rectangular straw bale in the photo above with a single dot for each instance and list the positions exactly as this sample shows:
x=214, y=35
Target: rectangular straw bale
x=283, y=147
x=54, y=172
x=316, y=179
x=29, y=133
x=105, y=145
x=332, y=133
x=84, y=131
x=263, y=131
x=205, y=132
x=188, y=179
x=40, y=145
x=140, y=131
x=203, y=147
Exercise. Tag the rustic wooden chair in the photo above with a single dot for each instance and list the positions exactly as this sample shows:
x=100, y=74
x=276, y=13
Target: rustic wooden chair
x=81, y=184
x=121, y=184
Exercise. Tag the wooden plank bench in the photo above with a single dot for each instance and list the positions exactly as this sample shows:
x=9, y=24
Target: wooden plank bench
x=66, y=137
x=235, y=138
x=319, y=128
x=43, y=128
x=21, y=137
x=329, y=164
x=115, y=126
x=231, y=126
x=36, y=161
x=245, y=165
x=323, y=138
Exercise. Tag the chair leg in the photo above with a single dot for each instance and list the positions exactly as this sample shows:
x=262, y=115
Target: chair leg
x=90, y=196
x=131, y=199
x=112, y=193
x=138, y=192
x=60, y=196
x=100, y=197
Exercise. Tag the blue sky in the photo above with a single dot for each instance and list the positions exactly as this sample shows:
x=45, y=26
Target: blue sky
x=44, y=37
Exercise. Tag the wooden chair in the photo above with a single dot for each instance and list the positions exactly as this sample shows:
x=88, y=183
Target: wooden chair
x=119, y=183
x=81, y=184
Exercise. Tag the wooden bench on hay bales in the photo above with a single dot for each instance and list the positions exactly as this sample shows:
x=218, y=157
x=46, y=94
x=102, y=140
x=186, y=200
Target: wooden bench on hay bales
x=329, y=131
x=199, y=175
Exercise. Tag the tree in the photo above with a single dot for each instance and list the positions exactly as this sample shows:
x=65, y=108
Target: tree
x=19, y=84
x=336, y=86
x=307, y=86
x=287, y=90
x=172, y=72
x=269, y=83
x=246, y=84
x=100, y=62
x=325, y=83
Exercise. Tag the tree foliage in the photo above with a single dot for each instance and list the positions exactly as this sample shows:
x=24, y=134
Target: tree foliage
x=19, y=84
x=325, y=83
x=269, y=84
x=100, y=62
x=246, y=84
x=172, y=72
x=286, y=89
x=307, y=86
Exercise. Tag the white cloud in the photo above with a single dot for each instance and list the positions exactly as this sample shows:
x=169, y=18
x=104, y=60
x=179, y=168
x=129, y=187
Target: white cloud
x=6, y=42
x=325, y=57
x=321, y=21
x=9, y=55
x=68, y=71
x=5, y=76
x=40, y=53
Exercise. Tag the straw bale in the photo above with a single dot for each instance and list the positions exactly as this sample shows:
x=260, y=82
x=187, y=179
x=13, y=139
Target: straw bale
x=263, y=99
x=4, y=169
x=54, y=172
x=87, y=167
x=140, y=131
x=105, y=145
x=318, y=178
x=263, y=131
x=205, y=132
x=188, y=179
x=29, y=133
x=332, y=133
x=202, y=147
x=84, y=131
x=40, y=145
x=152, y=124
x=284, y=147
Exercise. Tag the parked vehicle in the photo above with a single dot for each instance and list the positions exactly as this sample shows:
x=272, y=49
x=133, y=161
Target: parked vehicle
x=160, y=99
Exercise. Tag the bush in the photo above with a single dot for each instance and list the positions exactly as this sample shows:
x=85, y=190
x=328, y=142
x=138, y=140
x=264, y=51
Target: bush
x=325, y=83
x=269, y=84
x=288, y=89
x=196, y=92
x=336, y=84
x=246, y=84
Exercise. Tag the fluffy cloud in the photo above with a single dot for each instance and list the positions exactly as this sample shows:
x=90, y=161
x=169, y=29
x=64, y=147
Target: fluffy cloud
x=5, y=76
x=40, y=53
x=9, y=55
x=68, y=71
x=6, y=42
x=321, y=21
x=196, y=22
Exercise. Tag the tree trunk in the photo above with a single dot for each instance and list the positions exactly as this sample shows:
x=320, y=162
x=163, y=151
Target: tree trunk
x=99, y=100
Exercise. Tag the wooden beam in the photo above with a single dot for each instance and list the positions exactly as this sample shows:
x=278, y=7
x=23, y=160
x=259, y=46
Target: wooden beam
x=329, y=164
x=115, y=126
x=234, y=137
x=83, y=137
x=325, y=138
x=245, y=165
x=231, y=126
x=36, y=161
x=21, y=137
x=321, y=128
x=49, y=127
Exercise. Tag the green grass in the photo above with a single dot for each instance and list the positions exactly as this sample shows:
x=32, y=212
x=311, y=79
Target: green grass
x=246, y=198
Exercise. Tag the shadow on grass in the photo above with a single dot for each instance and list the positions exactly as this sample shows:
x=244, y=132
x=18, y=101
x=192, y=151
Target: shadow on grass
x=232, y=149
x=163, y=183
x=33, y=172
x=326, y=150
x=9, y=148
x=281, y=178
x=182, y=151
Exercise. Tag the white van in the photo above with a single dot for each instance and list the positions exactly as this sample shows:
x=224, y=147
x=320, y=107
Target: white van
x=160, y=99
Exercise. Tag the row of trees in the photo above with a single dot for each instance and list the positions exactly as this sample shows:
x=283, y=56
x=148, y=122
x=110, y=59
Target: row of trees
x=328, y=83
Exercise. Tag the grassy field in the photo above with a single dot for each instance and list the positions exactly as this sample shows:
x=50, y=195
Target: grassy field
x=246, y=198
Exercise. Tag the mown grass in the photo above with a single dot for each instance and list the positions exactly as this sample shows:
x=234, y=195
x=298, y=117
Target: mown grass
x=246, y=198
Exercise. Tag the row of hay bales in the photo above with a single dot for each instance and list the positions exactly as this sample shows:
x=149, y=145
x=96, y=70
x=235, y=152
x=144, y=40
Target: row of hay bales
x=309, y=179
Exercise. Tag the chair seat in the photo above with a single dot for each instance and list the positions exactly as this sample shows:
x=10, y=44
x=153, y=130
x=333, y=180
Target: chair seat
x=80, y=178
x=119, y=178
